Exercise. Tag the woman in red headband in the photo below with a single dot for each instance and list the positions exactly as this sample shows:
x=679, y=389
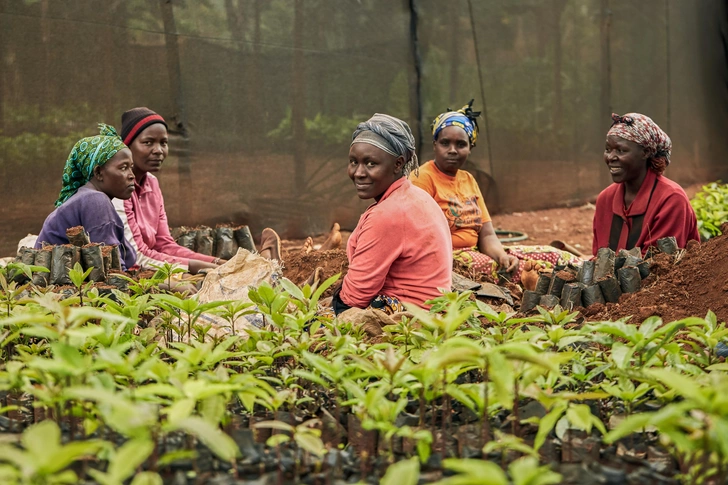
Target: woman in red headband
x=642, y=205
x=144, y=217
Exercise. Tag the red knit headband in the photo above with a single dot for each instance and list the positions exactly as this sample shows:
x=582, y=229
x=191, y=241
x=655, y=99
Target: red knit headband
x=140, y=125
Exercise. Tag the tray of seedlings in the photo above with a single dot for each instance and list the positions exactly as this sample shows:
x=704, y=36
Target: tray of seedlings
x=94, y=390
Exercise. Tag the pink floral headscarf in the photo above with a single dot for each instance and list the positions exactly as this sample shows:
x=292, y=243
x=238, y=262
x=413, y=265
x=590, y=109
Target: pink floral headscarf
x=642, y=130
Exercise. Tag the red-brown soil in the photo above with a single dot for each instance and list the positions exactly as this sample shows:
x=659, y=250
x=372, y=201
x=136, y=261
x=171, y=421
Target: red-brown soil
x=298, y=266
x=570, y=225
x=687, y=285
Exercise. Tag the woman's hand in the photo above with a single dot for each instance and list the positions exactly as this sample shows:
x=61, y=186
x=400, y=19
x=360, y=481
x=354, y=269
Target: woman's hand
x=195, y=266
x=490, y=245
x=179, y=288
x=508, y=261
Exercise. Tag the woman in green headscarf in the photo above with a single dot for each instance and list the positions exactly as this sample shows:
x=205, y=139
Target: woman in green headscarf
x=98, y=169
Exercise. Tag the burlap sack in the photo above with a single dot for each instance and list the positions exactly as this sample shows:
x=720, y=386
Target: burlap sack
x=232, y=281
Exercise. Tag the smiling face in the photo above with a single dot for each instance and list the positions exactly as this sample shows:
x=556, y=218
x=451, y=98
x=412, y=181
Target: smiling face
x=452, y=149
x=373, y=170
x=149, y=149
x=627, y=161
x=116, y=177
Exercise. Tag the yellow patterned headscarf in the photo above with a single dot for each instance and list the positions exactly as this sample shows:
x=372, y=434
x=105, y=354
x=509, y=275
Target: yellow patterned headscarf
x=464, y=118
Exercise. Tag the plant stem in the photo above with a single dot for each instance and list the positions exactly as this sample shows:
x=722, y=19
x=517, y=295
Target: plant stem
x=485, y=420
x=445, y=413
x=516, y=420
x=422, y=407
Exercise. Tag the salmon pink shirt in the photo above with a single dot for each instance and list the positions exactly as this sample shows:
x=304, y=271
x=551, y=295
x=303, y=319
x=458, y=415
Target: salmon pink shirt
x=400, y=248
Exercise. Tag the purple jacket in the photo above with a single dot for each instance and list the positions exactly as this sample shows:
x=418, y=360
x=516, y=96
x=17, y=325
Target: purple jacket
x=94, y=211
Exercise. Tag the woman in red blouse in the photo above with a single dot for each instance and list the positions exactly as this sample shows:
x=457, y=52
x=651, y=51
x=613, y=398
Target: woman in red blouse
x=642, y=205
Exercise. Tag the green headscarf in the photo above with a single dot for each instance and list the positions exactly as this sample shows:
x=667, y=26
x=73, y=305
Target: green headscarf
x=87, y=154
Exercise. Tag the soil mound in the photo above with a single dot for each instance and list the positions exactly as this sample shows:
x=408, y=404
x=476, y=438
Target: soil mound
x=298, y=266
x=688, y=284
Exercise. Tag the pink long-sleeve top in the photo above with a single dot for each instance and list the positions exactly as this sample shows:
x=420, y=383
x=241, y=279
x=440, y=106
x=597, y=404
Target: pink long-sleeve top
x=147, y=229
x=400, y=248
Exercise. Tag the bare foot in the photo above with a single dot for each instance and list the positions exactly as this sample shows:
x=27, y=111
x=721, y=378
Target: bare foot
x=530, y=273
x=307, y=245
x=334, y=240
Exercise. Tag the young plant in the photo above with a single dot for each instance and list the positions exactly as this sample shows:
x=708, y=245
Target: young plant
x=187, y=310
x=78, y=276
x=165, y=271
x=42, y=458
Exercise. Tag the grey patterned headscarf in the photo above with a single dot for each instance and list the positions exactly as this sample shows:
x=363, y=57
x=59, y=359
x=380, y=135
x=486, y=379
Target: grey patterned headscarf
x=391, y=135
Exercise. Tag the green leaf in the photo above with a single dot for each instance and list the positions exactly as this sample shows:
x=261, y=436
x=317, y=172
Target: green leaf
x=68, y=354
x=324, y=286
x=128, y=457
x=622, y=355
x=424, y=444
x=279, y=425
x=42, y=439
x=406, y=472
x=310, y=376
x=526, y=471
x=547, y=423
x=629, y=425
x=147, y=478
x=291, y=288
x=473, y=471
x=180, y=410
x=78, y=275
x=63, y=457
x=219, y=443
x=310, y=443
x=277, y=439
x=580, y=415
x=248, y=400
x=177, y=455
x=683, y=385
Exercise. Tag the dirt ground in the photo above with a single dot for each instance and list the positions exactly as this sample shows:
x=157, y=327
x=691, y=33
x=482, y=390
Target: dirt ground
x=687, y=284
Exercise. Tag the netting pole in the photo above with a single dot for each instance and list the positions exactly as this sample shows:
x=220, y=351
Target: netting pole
x=298, y=103
x=45, y=29
x=556, y=11
x=417, y=101
x=3, y=72
x=606, y=68
x=179, y=119
x=668, y=79
x=486, y=126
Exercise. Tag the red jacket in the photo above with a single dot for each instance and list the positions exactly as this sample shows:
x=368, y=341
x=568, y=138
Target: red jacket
x=401, y=248
x=662, y=203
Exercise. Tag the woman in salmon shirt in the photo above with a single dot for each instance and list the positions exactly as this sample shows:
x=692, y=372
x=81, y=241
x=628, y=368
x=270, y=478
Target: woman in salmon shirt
x=400, y=250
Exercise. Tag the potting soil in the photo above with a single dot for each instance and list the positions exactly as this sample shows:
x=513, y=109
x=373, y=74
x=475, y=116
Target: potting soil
x=679, y=286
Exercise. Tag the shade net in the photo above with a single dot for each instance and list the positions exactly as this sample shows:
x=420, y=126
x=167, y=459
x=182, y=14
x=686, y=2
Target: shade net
x=261, y=96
